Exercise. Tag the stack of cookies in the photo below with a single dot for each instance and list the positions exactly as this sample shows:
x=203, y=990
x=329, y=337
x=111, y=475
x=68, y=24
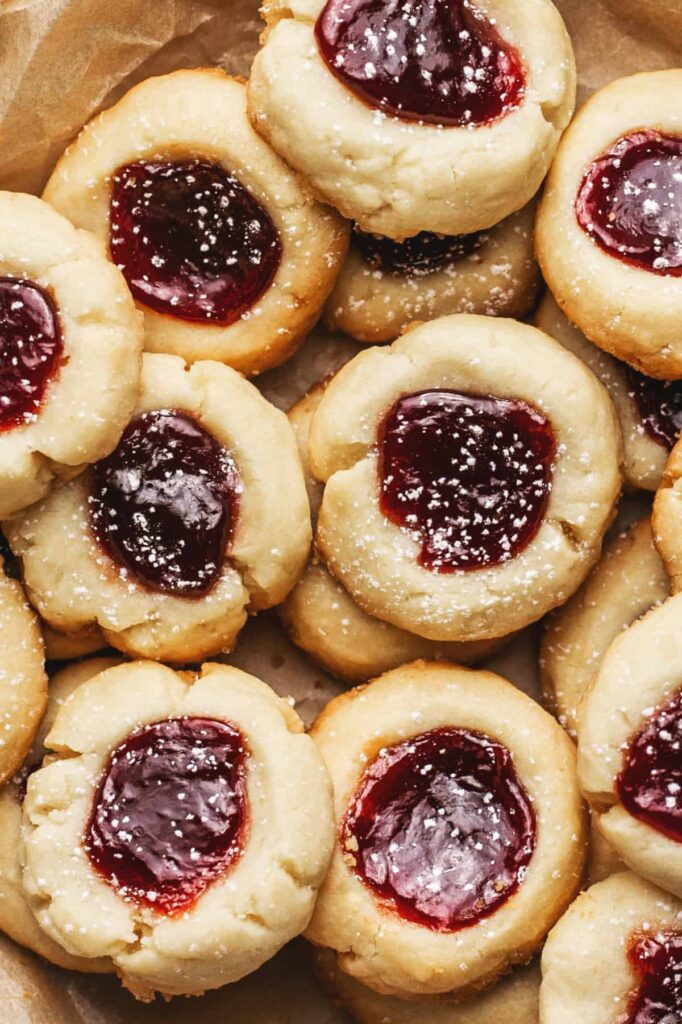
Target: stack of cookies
x=450, y=846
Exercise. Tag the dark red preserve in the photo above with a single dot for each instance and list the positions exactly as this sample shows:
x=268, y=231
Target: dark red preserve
x=437, y=61
x=170, y=812
x=191, y=240
x=164, y=504
x=440, y=828
x=31, y=349
x=467, y=475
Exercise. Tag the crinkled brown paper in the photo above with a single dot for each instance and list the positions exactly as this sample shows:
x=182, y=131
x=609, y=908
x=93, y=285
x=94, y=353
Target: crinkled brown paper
x=60, y=62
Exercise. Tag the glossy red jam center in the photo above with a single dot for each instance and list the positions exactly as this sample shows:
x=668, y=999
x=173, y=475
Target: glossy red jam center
x=438, y=61
x=31, y=350
x=191, y=240
x=164, y=504
x=630, y=202
x=659, y=403
x=440, y=828
x=170, y=812
x=657, y=963
x=467, y=475
x=417, y=256
x=650, y=784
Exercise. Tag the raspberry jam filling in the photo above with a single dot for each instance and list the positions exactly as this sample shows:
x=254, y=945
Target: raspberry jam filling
x=441, y=829
x=191, y=240
x=657, y=963
x=31, y=350
x=438, y=61
x=630, y=202
x=650, y=784
x=659, y=403
x=467, y=475
x=417, y=256
x=164, y=504
x=170, y=812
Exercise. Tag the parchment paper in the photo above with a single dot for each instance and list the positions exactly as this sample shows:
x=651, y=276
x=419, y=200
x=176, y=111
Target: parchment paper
x=60, y=62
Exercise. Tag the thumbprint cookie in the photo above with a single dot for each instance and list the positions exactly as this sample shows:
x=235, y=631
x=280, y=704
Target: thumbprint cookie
x=602, y=860
x=23, y=683
x=225, y=254
x=470, y=471
x=409, y=117
x=16, y=917
x=58, y=646
x=323, y=619
x=386, y=285
x=460, y=830
x=167, y=829
x=649, y=409
x=667, y=518
x=627, y=581
x=68, y=647
x=616, y=956
x=609, y=228
x=629, y=746
x=197, y=517
x=514, y=999
x=70, y=349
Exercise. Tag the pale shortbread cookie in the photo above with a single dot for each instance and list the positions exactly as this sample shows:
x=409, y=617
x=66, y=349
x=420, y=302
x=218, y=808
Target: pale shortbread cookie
x=602, y=860
x=16, y=917
x=397, y=177
x=68, y=646
x=376, y=560
x=641, y=671
x=380, y=948
x=267, y=554
x=513, y=999
x=322, y=618
x=630, y=312
x=644, y=458
x=627, y=581
x=586, y=975
x=667, y=518
x=499, y=278
x=23, y=683
x=241, y=919
x=201, y=114
x=89, y=399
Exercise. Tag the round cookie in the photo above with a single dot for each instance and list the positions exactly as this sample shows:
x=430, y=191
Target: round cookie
x=602, y=860
x=16, y=918
x=513, y=999
x=420, y=901
x=70, y=347
x=192, y=908
x=602, y=961
x=420, y=525
x=628, y=746
x=199, y=516
x=384, y=286
x=322, y=619
x=608, y=233
x=68, y=647
x=667, y=519
x=649, y=410
x=627, y=581
x=452, y=153
x=23, y=683
x=226, y=255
